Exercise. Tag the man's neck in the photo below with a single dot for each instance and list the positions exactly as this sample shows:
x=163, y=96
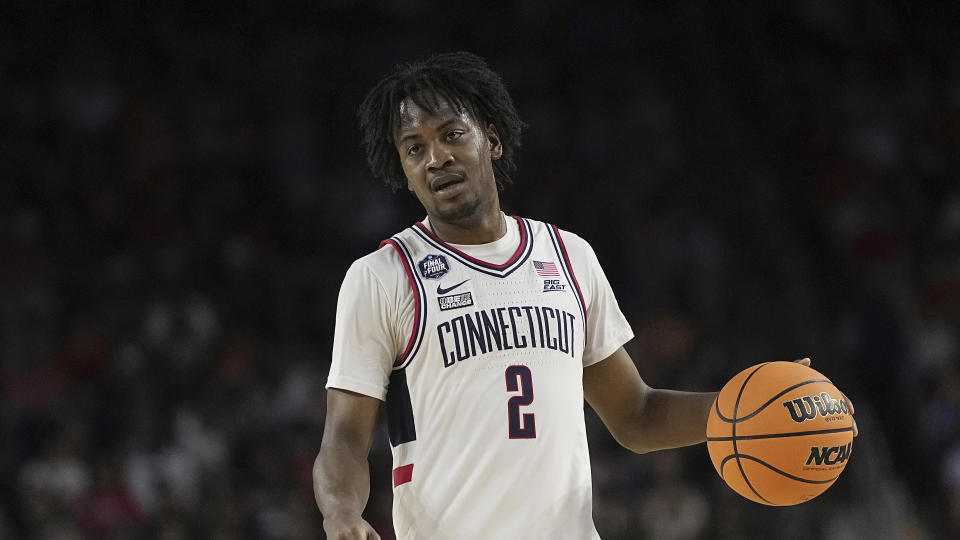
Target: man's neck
x=486, y=229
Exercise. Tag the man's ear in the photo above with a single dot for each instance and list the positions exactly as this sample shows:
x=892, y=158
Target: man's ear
x=493, y=138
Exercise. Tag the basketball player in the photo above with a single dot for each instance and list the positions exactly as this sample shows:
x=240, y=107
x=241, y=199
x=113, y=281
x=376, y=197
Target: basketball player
x=482, y=332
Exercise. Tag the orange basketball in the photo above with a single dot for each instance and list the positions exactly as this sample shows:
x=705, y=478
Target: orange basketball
x=779, y=433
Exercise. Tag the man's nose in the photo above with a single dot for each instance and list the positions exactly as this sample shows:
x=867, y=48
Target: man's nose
x=440, y=156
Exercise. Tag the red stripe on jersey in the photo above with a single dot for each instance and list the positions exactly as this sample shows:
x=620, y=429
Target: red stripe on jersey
x=566, y=258
x=416, y=302
x=402, y=474
x=516, y=254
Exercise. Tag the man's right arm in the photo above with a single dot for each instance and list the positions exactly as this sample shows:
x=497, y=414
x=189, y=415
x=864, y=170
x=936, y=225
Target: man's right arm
x=341, y=472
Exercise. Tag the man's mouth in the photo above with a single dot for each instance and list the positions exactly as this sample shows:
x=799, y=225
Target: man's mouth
x=443, y=183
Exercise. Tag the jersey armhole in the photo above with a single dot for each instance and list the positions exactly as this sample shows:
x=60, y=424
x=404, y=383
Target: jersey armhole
x=418, y=318
x=572, y=278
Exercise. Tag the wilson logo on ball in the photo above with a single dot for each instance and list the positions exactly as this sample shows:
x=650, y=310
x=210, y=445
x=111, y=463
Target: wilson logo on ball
x=809, y=407
x=829, y=455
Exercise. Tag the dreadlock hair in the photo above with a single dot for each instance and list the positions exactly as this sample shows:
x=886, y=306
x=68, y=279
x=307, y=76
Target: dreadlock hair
x=462, y=79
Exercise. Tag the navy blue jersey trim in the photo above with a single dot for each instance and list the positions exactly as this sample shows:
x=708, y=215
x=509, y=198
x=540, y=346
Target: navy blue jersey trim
x=421, y=298
x=400, y=424
x=567, y=266
x=496, y=270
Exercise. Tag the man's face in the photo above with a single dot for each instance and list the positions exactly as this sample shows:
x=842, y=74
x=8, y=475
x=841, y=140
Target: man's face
x=448, y=161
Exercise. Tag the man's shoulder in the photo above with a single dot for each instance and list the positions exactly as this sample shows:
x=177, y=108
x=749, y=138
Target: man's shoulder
x=572, y=241
x=380, y=271
x=384, y=260
x=551, y=224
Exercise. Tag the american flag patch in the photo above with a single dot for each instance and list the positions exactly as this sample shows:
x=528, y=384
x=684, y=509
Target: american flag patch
x=546, y=269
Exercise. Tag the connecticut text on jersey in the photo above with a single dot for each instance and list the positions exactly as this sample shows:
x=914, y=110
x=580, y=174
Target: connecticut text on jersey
x=504, y=328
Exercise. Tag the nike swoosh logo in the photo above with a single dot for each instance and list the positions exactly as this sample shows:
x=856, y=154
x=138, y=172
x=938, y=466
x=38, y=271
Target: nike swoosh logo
x=441, y=290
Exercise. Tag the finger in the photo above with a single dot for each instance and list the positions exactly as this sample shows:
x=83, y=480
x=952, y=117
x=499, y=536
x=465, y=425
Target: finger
x=849, y=403
x=850, y=408
x=803, y=362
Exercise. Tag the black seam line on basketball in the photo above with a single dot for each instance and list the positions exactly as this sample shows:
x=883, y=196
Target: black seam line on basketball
x=733, y=431
x=778, y=435
x=737, y=456
x=764, y=406
x=776, y=470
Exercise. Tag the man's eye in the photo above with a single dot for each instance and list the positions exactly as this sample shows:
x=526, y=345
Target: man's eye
x=454, y=135
x=414, y=149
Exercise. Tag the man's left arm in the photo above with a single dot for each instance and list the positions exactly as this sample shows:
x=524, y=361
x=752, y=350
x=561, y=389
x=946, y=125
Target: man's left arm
x=641, y=418
x=645, y=419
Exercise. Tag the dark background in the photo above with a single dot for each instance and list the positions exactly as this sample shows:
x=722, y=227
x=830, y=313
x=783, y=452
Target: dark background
x=183, y=189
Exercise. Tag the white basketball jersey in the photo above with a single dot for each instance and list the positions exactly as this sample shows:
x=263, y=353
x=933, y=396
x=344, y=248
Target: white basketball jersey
x=485, y=401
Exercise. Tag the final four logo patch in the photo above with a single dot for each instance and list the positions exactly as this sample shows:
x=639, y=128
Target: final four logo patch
x=433, y=266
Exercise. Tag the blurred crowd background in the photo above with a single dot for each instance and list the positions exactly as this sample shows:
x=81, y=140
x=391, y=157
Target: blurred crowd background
x=182, y=191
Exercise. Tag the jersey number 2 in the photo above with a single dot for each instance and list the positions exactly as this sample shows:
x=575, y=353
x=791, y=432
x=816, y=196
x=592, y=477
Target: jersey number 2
x=522, y=426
